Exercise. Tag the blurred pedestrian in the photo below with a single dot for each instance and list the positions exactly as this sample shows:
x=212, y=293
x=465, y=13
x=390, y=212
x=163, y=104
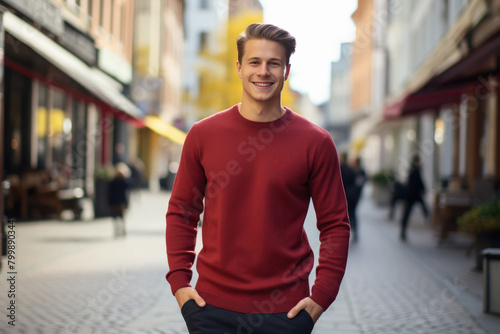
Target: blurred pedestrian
x=137, y=181
x=118, y=192
x=349, y=182
x=399, y=193
x=359, y=183
x=415, y=190
x=252, y=170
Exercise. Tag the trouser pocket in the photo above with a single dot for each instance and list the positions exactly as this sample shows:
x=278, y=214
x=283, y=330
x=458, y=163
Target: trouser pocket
x=189, y=312
x=304, y=322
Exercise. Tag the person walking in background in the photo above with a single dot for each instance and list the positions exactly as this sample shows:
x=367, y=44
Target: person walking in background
x=118, y=192
x=399, y=193
x=349, y=182
x=252, y=170
x=415, y=189
x=359, y=183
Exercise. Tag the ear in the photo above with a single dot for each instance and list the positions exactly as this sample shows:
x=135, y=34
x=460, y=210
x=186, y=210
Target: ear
x=287, y=71
x=238, y=68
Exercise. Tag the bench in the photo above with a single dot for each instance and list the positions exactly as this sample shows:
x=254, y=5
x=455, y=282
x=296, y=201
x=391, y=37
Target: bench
x=71, y=199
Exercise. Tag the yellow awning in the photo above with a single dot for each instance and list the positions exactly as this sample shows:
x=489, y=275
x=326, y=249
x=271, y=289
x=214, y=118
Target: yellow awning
x=164, y=129
x=358, y=143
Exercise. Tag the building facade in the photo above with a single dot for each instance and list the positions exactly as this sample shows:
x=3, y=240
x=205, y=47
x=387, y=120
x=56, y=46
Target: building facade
x=206, y=28
x=66, y=72
x=338, y=113
x=440, y=96
x=368, y=87
x=157, y=88
x=447, y=83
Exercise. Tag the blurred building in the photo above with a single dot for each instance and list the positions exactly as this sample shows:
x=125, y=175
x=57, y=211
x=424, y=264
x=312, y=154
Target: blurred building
x=443, y=83
x=212, y=83
x=429, y=73
x=338, y=109
x=157, y=87
x=305, y=107
x=368, y=66
x=68, y=66
x=205, y=29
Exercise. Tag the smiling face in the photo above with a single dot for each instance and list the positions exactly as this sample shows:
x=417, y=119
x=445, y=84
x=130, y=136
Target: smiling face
x=263, y=71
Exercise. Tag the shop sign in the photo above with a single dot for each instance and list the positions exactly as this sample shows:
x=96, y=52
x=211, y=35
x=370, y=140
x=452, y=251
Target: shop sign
x=42, y=12
x=115, y=65
x=79, y=44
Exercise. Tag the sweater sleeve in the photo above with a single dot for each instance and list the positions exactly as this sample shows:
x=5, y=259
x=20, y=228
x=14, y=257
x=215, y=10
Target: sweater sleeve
x=327, y=192
x=183, y=214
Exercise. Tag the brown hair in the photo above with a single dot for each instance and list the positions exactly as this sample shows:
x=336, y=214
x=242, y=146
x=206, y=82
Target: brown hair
x=269, y=32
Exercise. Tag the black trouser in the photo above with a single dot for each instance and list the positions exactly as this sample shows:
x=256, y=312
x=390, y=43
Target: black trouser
x=351, y=211
x=406, y=215
x=214, y=320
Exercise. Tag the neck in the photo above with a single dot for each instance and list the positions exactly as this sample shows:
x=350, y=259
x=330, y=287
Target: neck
x=261, y=112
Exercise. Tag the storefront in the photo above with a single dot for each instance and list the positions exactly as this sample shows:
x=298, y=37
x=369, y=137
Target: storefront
x=453, y=97
x=462, y=103
x=61, y=115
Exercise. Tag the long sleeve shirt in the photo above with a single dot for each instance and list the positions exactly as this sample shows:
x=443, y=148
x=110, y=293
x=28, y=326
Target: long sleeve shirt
x=254, y=182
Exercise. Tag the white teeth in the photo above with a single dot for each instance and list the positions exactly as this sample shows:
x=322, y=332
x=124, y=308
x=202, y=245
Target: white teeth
x=263, y=84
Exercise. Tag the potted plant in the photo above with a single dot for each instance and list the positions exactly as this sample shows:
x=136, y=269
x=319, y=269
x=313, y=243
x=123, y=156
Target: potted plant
x=382, y=182
x=483, y=223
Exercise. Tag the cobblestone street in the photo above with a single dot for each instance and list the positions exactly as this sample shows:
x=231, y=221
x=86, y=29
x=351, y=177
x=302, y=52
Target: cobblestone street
x=75, y=277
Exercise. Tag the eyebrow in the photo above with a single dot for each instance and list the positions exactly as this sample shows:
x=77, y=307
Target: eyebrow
x=271, y=59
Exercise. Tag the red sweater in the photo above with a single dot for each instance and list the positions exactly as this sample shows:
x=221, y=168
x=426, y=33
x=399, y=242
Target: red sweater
x=256, y=180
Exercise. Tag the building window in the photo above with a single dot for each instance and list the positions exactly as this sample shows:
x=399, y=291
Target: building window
x=79, y=143
x=203, y=41
x=17, y=130
x=142, y=6
x=89, y=9
x=392, y=7
x=59, y=133
x=122, y=22
x=101, y=13
x=445, y=11
x=112, y=17
x=73, y=5
x=204, y=4
x=42, y=128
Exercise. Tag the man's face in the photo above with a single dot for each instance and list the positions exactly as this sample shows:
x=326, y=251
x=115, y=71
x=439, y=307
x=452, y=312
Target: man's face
x=263, y=70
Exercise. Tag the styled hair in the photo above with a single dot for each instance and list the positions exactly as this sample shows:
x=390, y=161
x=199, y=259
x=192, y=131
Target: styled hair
x=269, y=32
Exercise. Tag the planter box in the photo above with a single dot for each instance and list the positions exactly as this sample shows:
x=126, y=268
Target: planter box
x=491, y=302
x=381, y=194
x=101, y=207
x=483, y=241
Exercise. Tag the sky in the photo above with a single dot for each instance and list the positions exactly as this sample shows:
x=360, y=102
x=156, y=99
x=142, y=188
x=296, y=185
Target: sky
x=319, y=26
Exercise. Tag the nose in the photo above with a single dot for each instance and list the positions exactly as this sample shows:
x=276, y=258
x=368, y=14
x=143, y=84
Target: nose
x=264, y=70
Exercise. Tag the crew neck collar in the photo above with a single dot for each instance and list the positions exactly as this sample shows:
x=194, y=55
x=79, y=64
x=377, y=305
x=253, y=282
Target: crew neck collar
x=283, y=119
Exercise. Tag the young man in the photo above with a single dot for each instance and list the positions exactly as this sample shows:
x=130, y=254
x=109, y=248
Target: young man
x=253, y=169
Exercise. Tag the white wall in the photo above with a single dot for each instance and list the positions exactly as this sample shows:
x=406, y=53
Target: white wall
x=211, y=20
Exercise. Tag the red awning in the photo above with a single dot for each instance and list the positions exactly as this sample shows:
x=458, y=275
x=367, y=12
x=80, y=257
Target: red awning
x=75, y=94
x=433, y=99
x=449, y=86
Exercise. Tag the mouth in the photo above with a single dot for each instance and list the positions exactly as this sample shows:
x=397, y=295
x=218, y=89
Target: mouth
x=263, y=84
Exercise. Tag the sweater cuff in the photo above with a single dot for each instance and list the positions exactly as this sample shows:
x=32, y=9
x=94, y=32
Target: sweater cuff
x=178, y=280
x=322, y=297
